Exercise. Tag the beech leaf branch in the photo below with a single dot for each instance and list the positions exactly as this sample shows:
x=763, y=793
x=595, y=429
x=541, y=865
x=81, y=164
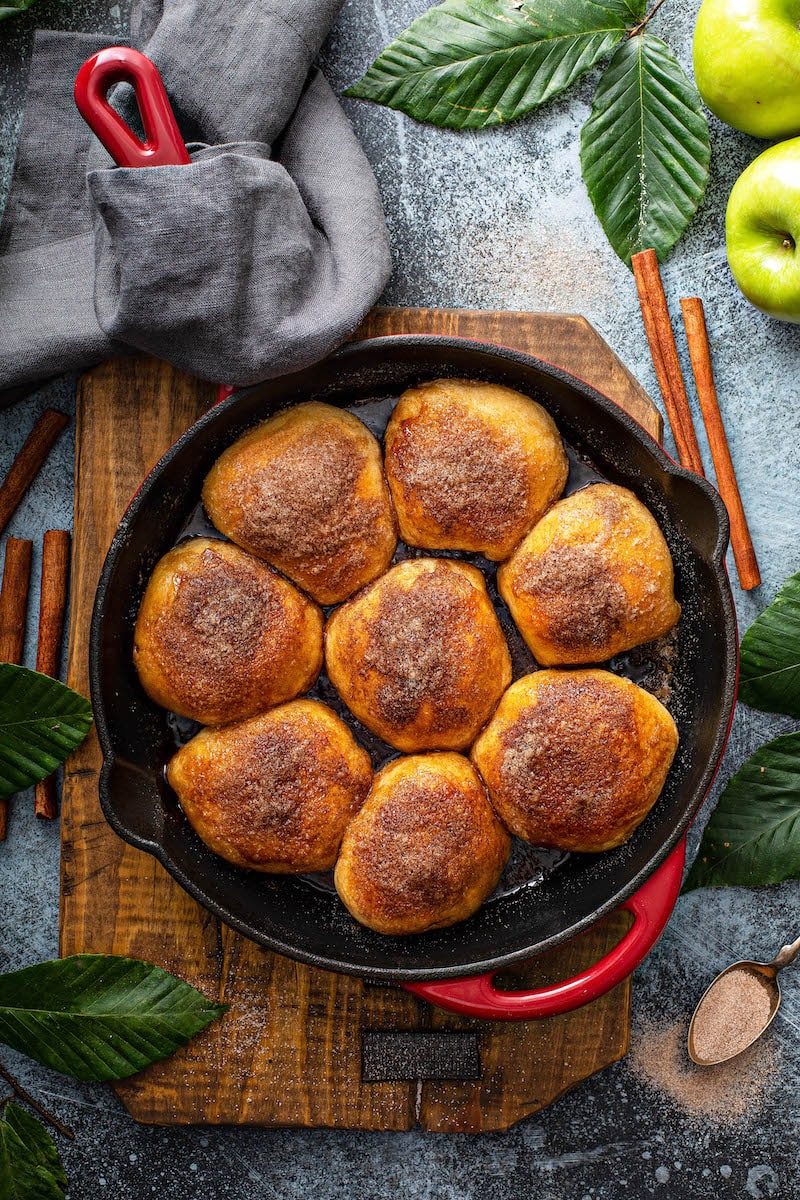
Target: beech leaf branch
x=91, y=1016
x=472, y=64
x=753, y=836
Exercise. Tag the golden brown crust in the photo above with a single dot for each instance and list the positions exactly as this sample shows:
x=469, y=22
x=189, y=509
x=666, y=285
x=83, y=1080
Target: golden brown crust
x=221, y=636
x=419, y=656
x=273, y=793
x=305, y=490
x=425, y=850
x=471, y=466
x=575, y=759
x=592, y=579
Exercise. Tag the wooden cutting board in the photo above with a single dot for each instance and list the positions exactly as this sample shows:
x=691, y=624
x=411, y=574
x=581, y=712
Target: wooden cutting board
x=302, y=1047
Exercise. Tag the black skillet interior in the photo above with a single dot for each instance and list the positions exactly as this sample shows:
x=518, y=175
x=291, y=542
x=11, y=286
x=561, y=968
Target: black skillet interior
x=698, y=667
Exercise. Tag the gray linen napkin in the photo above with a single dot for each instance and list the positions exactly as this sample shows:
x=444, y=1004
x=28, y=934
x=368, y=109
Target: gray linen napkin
x=257, y=259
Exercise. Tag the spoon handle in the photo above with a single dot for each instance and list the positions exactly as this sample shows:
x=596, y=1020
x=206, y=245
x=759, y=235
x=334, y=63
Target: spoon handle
x=787, y=955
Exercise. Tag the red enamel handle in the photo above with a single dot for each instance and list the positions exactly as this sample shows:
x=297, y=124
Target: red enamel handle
x=163, y=145
x=651, y=906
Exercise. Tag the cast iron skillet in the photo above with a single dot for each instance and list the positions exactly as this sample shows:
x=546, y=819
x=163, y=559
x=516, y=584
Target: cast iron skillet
x=305, y=922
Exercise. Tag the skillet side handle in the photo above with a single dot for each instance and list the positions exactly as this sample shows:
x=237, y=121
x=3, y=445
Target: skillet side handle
x=163, y=145
x=652, y=905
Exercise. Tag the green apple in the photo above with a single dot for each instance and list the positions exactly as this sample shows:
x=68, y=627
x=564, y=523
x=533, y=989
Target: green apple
x=747, y=64
x=762, y=229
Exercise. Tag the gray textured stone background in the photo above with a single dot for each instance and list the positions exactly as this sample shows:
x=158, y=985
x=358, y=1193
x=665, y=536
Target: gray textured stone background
x=496, y=219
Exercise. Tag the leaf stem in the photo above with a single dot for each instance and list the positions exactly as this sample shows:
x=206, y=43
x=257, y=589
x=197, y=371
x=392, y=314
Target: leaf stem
x=22, y=1094
x=646, y=20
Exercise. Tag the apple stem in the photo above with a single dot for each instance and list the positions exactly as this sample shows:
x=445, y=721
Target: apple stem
x=637, y=29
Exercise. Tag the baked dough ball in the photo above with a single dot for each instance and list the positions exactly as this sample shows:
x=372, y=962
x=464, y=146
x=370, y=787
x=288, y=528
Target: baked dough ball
x=425, y=850
x=221, y=636
x=273, y=793
x=575, y=759
x=592, y=579
x=305, y=490
x=471, y=466
x=419, y=656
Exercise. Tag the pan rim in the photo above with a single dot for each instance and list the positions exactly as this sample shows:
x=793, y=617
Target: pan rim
x=716, y=560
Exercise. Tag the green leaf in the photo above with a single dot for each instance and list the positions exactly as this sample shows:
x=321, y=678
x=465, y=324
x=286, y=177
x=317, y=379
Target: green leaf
x=30, y=1168
x=645, y=148
x=98, y=1016
x=41, y=723
x=41, y=1147
x=467, y=64
x=12, y=10
x=770, y=655
x=753, y=836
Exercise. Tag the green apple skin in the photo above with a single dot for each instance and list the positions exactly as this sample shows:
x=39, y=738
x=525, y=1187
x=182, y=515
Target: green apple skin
x=762, y=230
x=747, y=64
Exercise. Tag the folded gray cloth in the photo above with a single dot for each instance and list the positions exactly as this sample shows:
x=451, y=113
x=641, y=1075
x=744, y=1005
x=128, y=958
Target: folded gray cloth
x=257, y=259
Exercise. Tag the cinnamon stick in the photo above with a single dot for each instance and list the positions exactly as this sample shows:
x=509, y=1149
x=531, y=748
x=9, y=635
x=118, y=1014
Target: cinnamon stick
x=14, y=599
x=28, y=462
x=52, y=610
x=13, y=613
x=744, y=554
x=664, y=352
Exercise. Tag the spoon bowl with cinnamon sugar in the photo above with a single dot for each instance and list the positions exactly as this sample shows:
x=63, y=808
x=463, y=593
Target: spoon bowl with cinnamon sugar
x=736, y=1008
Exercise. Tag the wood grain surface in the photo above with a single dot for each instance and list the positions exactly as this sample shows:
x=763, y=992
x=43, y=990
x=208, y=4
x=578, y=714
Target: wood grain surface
x=289, y=1051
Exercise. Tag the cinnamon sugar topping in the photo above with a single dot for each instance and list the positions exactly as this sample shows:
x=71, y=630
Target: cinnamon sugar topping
x=418, y=649
x=274, y=790
x=221, y=615
x=551, y=760
x=304, y=505
x=423, y=845
x=585, y=603
x=470, y=480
